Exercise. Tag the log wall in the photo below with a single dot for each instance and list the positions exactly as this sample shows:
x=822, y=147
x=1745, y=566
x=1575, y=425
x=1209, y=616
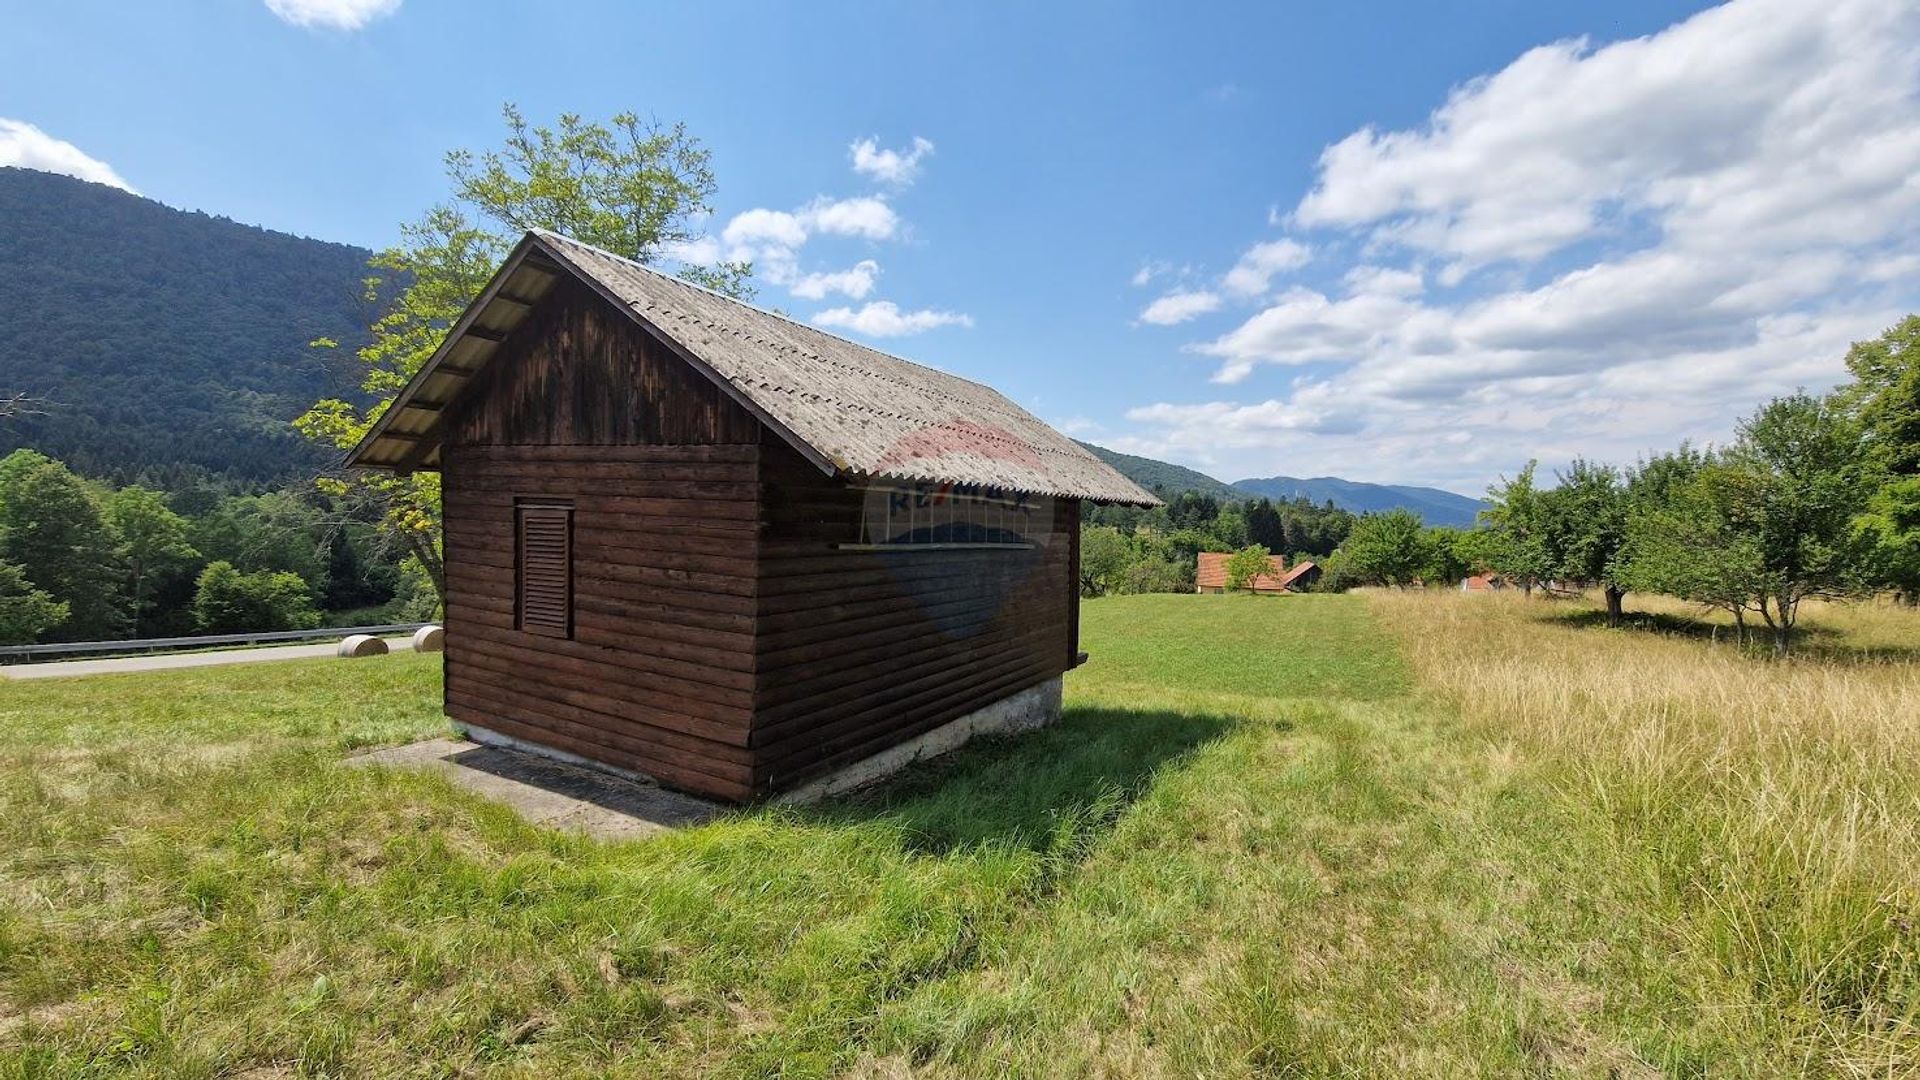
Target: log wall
x=858, y=651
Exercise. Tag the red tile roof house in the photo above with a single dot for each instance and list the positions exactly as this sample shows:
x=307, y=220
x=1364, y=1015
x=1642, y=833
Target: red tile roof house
x=1482, y=583
x=1212, y=574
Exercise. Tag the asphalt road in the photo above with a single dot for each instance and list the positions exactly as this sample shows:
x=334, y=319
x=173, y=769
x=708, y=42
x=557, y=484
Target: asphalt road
x=167, y=661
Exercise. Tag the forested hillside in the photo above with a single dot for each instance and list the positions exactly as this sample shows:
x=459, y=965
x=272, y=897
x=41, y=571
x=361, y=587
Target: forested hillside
x=1435, y=507
x=160, y=342
x=1162, y=477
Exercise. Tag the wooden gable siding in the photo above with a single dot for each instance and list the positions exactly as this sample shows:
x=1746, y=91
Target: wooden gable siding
x=579, y=373
x=662, y=473
x=858, y=651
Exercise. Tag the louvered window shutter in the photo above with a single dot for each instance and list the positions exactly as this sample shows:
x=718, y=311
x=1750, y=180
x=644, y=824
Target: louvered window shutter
x=546, y=568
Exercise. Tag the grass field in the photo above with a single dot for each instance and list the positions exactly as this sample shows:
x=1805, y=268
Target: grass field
x=1426, y=835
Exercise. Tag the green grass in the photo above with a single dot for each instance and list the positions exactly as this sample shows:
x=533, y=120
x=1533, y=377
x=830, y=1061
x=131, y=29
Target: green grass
x=1256, y=845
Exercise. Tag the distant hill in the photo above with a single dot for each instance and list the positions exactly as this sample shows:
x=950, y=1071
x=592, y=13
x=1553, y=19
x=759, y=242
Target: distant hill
x=1163, y=477
x=168, y=342
x=1435, y=507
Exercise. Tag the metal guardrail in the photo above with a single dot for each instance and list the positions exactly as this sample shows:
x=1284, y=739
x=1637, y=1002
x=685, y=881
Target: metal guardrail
x=13, y=654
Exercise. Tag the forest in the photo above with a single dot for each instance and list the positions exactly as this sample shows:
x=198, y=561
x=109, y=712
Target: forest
x=81, y=559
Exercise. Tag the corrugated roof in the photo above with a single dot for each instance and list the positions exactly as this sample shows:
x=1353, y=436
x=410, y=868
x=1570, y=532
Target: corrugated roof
x=851, y=409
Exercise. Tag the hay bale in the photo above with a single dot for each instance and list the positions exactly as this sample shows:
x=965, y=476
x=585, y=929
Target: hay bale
x=363, y=645
x=429, y=639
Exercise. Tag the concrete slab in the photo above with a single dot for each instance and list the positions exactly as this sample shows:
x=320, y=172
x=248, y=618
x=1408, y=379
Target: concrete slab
x=60, y=669
x=555, y=794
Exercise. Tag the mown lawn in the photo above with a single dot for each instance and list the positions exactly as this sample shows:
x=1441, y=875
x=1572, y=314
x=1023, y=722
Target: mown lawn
x=1384, y=835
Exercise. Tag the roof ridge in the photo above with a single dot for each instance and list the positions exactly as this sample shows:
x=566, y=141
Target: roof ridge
x=685, y=284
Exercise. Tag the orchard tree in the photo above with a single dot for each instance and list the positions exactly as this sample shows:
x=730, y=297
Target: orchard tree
x=1517, y=520
x=1246, y=565
x=1681, y=539
x=634, y=188
x=1884, y=398
x=1387, y=548
x=1583, y=526
x=1104, y=557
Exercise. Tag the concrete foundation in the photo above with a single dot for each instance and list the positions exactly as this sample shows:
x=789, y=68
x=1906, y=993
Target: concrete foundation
x=1027, y=710
x=1032, y=708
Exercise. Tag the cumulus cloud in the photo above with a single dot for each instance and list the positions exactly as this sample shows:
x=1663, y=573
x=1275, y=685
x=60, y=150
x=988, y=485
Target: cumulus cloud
x=1252, y=275
x=332, y=14
x=898, y=167
x=883, y=318
x=1634, y=243
x=27, y=147
x=772, y=240
x=1178, y=307
x=855, y=282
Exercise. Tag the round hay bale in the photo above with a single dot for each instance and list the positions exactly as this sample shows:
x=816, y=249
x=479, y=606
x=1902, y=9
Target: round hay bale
x=363, y=645
x=429, y=639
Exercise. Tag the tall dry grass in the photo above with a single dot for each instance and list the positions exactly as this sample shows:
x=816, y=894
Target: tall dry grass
x=1759, y=818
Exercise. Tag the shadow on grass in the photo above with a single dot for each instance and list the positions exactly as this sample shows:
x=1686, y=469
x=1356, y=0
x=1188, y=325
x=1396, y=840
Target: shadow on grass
x=1810, y=641
x=1055, y=790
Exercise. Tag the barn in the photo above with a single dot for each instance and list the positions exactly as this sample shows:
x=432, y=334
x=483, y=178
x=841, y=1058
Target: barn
x=696, y=540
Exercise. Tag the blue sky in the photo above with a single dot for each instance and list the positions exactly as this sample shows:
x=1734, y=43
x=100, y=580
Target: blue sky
x=1399, y=242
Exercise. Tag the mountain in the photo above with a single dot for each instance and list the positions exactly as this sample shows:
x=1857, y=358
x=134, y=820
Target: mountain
x=1435, y=507
x=164, y=343
x=1163, y=477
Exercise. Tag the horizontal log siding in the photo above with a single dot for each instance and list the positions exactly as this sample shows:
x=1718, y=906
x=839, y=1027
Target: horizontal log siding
x=858, y=651
x=663, y=474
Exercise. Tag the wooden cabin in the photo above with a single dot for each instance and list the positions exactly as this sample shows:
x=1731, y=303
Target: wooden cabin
x=695, y=540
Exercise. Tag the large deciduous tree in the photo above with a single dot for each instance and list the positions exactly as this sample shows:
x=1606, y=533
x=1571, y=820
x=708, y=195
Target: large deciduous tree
x=634, y=188
x=52, y=529
x=153, y=542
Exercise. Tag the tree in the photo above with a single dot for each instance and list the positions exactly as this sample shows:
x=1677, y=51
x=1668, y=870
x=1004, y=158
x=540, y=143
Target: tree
x=1795, y=480
x=1386, y=549
x=1516, y=518
x=1446, y=555
x=632, y=188
x=153, y=542
x=1884, y=399
x=1265, y=525
x=51, y=528
x=1762, y=526
x=1230, y=528
x=1582, y=528
x=1104, y=557
x=1247, y=564
x=1681, y=541
x=228, y=601
x=25, y=612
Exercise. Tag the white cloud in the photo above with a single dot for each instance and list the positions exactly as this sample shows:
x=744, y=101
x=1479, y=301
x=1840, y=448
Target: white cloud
x=1178, y=307
x=865, y=217
x=1634, y=243
x=883, y=318
x=332, y=14
x=889, y=166
x=27, y=147
x=1254, y=272
x=772, y=241
x=855, y=282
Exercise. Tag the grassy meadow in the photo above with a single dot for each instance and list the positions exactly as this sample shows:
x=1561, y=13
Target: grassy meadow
x=1418, y=834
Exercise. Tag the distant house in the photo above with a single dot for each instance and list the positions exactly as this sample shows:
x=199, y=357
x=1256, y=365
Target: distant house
x=1483, y=583
x=692, y=539
x=1211, y=576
